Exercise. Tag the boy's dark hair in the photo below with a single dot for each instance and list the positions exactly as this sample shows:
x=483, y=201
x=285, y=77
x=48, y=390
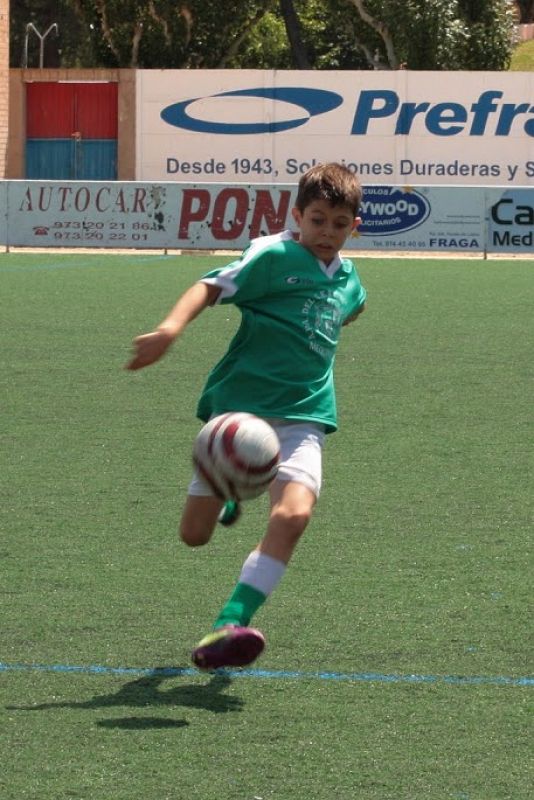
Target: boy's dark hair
x=332, y=182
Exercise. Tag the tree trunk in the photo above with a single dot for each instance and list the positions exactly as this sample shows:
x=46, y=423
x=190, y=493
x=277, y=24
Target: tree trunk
x=383, y=31
x=291, y=20
x=526, y=10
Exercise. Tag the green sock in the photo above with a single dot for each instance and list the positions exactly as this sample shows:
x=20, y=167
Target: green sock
x=241, y=606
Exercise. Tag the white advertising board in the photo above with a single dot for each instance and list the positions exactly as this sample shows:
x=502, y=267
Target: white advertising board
x=87, y=214
x=510, y=221
x=215, y=216
x=262, y=126
x=3, y=212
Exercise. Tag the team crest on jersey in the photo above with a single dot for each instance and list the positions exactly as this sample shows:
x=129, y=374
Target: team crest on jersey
x=322, y=322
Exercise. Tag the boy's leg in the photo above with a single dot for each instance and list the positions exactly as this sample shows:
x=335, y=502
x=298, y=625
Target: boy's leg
x=293, y=496
x=292, y=505
x=199, y=518
x=233, y=643
x=291, y=508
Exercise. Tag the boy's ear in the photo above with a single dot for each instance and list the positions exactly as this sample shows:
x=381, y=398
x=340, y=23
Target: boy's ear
x=297, y=216
x=357, y=222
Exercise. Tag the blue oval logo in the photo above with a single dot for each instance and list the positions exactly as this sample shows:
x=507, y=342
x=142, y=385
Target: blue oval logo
x=386, y=210
x=312, y=101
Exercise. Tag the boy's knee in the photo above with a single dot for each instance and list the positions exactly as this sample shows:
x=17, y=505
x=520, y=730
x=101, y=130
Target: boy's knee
x=194, y=535
x=198, y=521
x=292, y=523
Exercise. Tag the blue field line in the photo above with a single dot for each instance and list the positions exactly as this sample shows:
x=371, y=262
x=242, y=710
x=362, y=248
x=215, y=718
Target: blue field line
x=340, y=677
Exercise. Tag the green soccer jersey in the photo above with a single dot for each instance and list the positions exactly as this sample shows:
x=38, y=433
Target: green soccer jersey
x=280, y=362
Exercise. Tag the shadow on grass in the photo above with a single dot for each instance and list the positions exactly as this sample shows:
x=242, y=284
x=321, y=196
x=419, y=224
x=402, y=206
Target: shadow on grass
x=146, y=692
x=142, y=723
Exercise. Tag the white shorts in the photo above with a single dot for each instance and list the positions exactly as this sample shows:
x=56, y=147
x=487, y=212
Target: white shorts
x=301, y=445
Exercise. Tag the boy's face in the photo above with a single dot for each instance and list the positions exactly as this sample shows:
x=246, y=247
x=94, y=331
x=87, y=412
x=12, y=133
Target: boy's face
x=325, y=228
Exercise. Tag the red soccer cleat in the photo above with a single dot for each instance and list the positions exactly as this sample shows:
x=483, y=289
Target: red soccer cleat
x=229, y=646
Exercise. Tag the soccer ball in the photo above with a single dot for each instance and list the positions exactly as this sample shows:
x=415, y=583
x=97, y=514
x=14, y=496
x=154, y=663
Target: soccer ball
x=238, y=455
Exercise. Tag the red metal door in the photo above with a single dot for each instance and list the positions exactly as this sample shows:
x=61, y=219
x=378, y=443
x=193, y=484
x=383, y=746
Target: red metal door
x=71, y=130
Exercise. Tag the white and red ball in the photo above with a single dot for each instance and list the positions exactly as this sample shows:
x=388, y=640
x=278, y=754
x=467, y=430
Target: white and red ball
x=237, y=454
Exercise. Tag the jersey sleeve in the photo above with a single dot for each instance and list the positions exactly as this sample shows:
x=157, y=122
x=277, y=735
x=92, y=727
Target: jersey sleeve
x=360, y=297
x=242, y=280
x=358, y=294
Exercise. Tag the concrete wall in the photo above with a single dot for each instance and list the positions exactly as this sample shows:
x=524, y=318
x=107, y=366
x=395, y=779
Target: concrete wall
x=523, y=33
x=4, y=83
x=15, y=167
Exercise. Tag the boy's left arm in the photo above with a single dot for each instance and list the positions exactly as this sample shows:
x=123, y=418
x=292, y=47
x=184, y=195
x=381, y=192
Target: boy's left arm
x=354, y=316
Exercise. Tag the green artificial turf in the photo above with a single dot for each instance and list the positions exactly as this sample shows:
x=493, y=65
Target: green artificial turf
x=417, y=561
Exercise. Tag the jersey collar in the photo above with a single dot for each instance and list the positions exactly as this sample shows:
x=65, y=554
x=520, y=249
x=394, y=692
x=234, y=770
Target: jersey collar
x=330, y=269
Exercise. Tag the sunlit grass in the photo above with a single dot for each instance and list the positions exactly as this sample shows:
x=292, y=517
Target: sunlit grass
x=523, y=57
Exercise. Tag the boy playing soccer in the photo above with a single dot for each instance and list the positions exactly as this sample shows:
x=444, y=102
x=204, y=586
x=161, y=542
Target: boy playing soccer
x=294, y=296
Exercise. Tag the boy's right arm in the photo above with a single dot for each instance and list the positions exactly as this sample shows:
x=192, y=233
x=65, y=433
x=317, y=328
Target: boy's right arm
x=150, y=347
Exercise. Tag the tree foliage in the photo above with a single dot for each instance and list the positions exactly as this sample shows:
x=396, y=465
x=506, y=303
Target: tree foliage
x=326, y=38
x=489, y=27
x=167, y=34
x=437, y=34
x=263, y=34
x=144, y=33
x=67, y=45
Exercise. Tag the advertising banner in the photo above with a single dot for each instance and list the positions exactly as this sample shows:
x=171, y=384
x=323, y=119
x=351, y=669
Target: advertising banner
x=3, y=213
x=395, y=128
x=217, y=217
x=510, y=221
x=423, y=218
x=88, y=214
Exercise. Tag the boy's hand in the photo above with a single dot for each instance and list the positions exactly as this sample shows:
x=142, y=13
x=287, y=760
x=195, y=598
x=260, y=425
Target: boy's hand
x=149, y=348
